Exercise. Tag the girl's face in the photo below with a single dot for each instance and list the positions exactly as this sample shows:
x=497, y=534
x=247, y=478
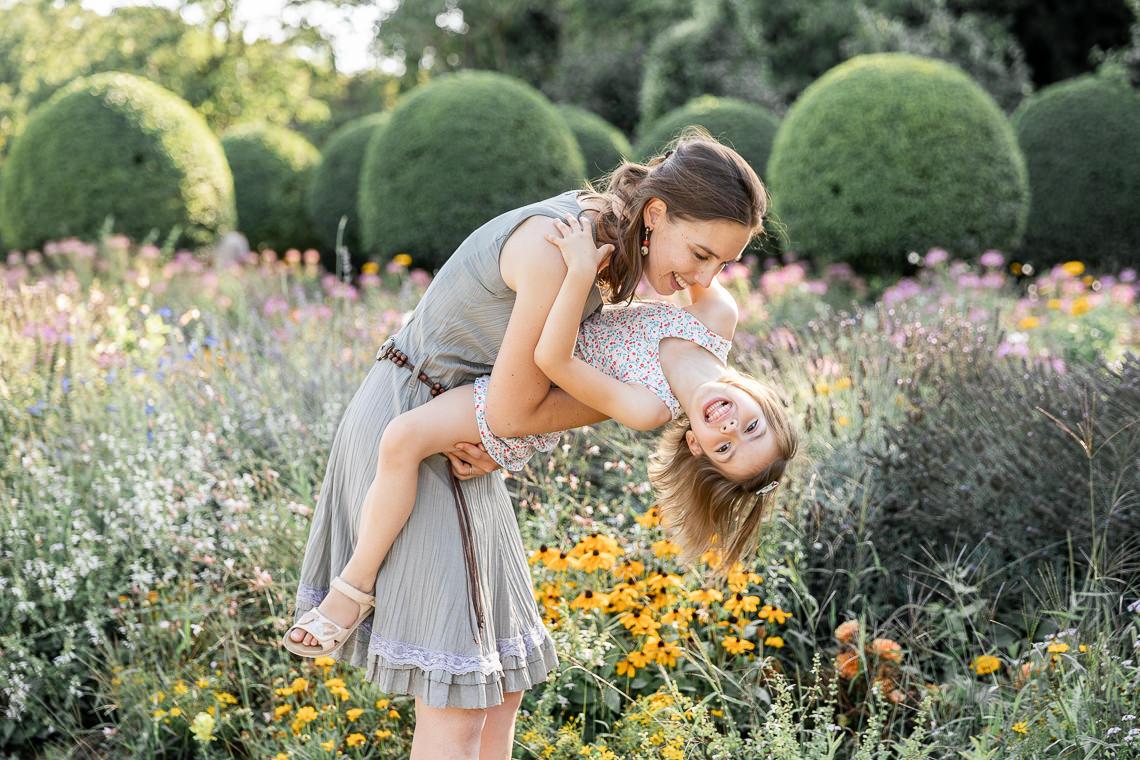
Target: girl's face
x=729, y=427
x=684, y=253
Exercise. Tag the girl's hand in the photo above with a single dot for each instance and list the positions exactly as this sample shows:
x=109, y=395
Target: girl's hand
x=576, y=242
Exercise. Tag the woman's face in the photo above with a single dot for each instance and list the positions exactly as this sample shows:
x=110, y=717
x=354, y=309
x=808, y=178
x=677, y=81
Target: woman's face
x=729, y=427
x=684, y=253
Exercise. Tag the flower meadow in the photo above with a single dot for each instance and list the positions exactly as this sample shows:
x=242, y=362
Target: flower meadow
x=165, y=421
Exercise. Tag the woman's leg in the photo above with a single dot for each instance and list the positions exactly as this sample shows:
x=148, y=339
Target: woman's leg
x=447, y=732
x=499, y=730
x=409, y=439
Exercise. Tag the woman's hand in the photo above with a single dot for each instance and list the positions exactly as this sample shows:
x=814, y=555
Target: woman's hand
x=470, y=460
x=576, y=242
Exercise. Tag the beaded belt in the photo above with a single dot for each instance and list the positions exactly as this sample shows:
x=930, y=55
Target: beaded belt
x=400, y=359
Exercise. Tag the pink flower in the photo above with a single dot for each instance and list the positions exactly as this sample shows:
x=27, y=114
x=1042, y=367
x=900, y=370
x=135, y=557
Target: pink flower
x=1128, y=275
x=992, y=258
x=420, y=278
x=936, y=256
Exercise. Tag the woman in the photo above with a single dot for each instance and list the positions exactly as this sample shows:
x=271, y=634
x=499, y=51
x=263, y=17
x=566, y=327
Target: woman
x=455, y=621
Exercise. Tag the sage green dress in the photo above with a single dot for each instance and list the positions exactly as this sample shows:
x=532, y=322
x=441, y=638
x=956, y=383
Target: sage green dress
x=424, y=638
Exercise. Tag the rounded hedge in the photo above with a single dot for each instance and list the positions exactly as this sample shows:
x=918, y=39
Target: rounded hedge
x=890, y=153
x=271, y=167
x=747, y=127
x=602, y=144
x=333, y=185
x=115, y=145
x=1081, y=140
x=457, y=152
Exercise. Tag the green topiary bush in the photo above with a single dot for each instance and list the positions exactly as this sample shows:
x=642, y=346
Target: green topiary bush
x=1081, y=140
x=333, y=185
x=457, y=152
x=115, y=145
x=271, y=167
x=602, y=144
x=890, y=153
x=747, y=127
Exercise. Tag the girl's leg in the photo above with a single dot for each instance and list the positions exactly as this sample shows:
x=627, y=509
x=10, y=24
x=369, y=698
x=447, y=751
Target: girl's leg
x=447, y=732
x=498, y=737
x=409, y=439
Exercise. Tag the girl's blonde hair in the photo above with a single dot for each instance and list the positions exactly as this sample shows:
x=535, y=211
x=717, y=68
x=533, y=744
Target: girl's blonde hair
x=699, y=502
x=699, y=178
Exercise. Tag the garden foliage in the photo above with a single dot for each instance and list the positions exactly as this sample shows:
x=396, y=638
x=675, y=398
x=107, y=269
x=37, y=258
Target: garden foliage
x=334, y=184
x=716, y=52
x=747, y=127
x=892, y=153
x=602, y=144
x=457, y=152
x=271, y=167
x=1081, y=140
x=1012, y=464
x=115, y=145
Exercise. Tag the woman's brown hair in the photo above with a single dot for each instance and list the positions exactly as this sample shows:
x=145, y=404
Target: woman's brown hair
x=698, y=178
x=697, y=501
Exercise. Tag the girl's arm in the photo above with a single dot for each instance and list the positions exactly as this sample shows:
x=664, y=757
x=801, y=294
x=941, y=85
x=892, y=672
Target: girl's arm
x=634, y=406
x=520, y=400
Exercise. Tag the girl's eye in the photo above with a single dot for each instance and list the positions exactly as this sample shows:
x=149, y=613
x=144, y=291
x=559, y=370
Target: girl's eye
x=722, y=448
x=751, y=427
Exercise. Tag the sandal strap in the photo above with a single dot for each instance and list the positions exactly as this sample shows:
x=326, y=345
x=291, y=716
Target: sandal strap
x=321, y=626
x=353, y=593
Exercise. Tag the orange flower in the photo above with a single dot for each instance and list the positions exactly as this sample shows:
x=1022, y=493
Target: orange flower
x=887, y=649
x=847, y=632
x=847, y=663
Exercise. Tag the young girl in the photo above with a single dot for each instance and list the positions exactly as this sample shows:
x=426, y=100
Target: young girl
x=641, y=365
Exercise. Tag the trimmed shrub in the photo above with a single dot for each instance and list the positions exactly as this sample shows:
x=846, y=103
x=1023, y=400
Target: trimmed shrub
x=717, y=52
x=271, y=167
x=1081, y=140
x=115, y=145
x=747, y=127
x=890, y=153
x=334, y=184
x=457, y=152
x=602, y=144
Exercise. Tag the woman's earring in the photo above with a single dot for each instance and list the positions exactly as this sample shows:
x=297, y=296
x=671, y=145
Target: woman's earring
x=645, y=243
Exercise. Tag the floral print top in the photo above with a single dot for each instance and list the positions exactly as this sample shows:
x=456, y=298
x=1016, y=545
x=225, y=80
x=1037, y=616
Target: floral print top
x=623, y=342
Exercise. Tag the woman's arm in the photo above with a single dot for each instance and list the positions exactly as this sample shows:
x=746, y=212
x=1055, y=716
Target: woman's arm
x=520, y=400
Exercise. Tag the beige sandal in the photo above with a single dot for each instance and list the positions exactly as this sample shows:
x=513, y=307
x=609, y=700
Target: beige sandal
x=330, y=634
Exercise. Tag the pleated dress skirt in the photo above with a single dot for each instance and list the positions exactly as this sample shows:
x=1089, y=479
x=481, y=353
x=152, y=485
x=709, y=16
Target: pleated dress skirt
x=424, y=638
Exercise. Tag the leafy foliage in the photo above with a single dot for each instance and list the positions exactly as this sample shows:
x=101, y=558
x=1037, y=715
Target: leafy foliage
x=1081, y=140
x=271, y=167
x=226, y=78
x=120, y=146
x=494, y=144
x=602, y=144
x=747, y=127
x=335, y=182
x=716, y=52
x=891, y=153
